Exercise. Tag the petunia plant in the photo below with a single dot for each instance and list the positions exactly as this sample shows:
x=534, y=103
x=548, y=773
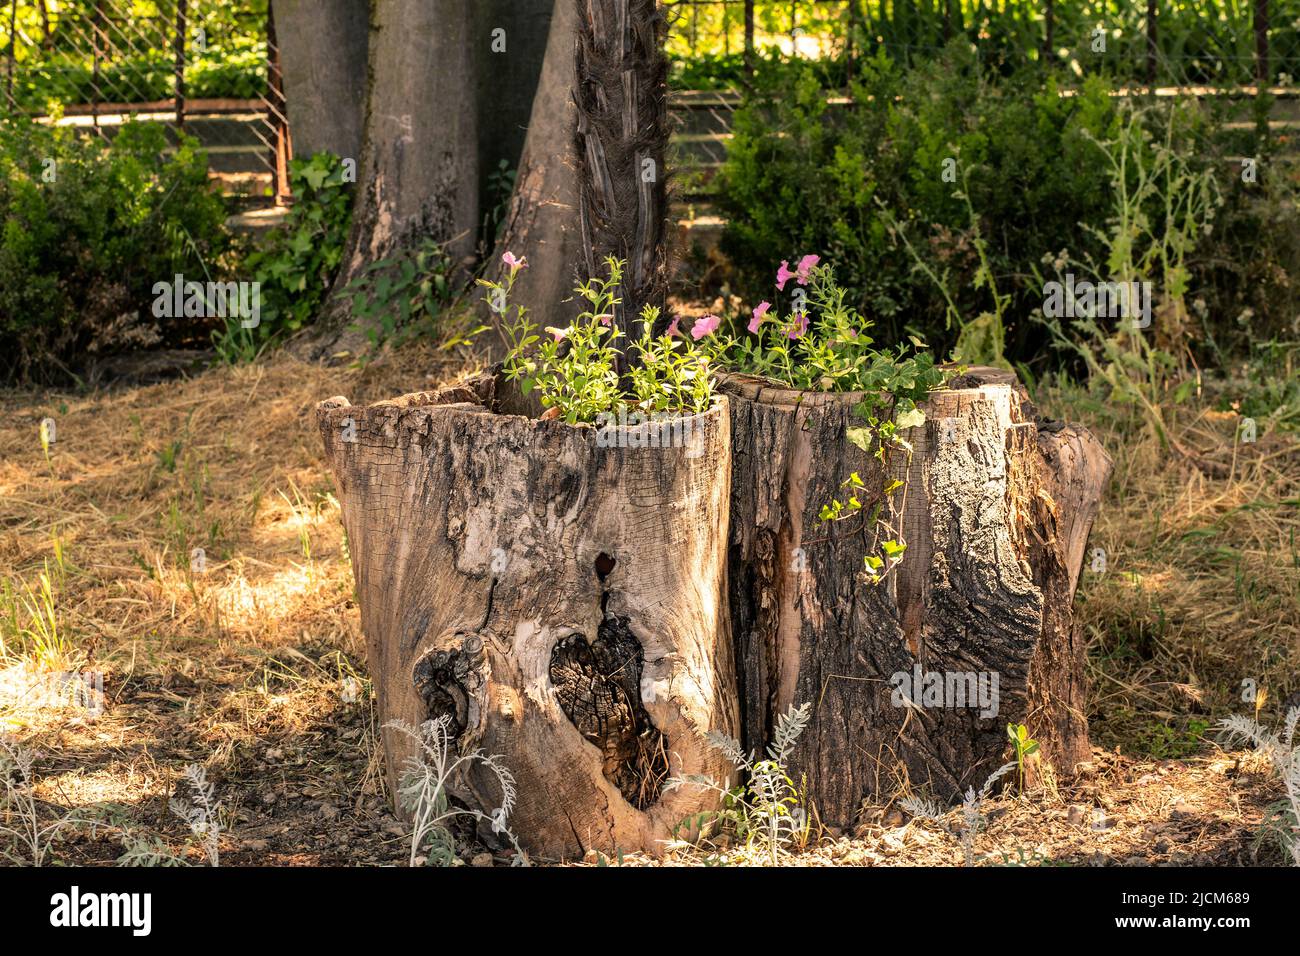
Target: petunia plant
x=574, y=369
x=823, y=344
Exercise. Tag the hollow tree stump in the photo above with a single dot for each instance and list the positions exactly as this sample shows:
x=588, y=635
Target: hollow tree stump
x=995, y=513
x=559, y=600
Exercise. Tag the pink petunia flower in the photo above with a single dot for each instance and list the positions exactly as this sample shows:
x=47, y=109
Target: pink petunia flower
x=704, y=325
x=806, y=265
x=605, y=319
x=672, y=326
x=800, y=326
x=758, y=316
x=558, y=334
x=515, y=264
x=783, y=275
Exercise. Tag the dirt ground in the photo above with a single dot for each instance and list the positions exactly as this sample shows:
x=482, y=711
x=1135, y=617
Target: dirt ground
x=247, y=658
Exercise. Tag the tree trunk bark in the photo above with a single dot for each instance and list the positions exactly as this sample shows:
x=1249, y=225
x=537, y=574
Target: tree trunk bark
x=622, y=139
x=557, y=598
x=995, y=512
x=515, y=40
x=419, y=172
x=542, y=219
x=323, y=55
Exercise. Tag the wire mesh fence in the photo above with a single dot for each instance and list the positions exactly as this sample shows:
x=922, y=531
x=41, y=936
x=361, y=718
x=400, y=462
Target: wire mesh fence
x=210, y=69
x=1221, y=42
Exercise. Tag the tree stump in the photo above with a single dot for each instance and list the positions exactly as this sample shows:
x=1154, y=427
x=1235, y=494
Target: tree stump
x=996, y=512
x=559, y=599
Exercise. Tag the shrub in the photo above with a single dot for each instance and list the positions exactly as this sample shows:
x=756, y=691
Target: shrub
x=297, y=264
x=804, y=174
x=86, y=229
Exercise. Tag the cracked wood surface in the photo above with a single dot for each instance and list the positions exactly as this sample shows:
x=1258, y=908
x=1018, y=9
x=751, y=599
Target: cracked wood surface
x=995, y=512
x=475, y=538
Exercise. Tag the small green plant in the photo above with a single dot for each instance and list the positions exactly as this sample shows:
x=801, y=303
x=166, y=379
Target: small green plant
x=39, y=631
x=1163, y=204
x=766, y=809
x=424, y=792
x=575, y=370
x=302, y=516
x=1284, y=754
x=405, y=296
x=824, y=344
x=1024, y=746
x=167, y=455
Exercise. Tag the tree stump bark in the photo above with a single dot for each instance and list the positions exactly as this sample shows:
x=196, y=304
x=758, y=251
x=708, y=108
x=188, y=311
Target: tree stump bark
x=995, y=512
x=559, y=599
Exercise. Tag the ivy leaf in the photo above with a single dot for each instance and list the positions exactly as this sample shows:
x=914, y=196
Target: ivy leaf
x=910, y=419
x=315, y=175
x=893, y=550
x=860, y=437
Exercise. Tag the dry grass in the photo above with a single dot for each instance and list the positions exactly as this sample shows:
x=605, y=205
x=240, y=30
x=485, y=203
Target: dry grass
x=253, y=667
x=249, y=659
x=1202, y=583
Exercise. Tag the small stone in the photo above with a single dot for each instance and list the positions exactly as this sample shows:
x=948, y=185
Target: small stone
x=591, y=856
x=1076, y=814
x=481, y=859
x=255, y=846
x=1101, y=820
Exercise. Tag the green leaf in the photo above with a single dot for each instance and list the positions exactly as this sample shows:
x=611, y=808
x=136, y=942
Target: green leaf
x=910, y=419
x=860, y=436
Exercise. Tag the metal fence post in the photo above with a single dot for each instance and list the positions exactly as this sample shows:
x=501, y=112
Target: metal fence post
x=13, y=41
x=276, y=113
x=182, y=11
x=96, y=32
x=1151, y=44
x=1261, y=45
x=1049, y=24
x=749, y=37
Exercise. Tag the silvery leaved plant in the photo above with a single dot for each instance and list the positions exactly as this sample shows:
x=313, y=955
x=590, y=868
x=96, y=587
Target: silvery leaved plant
x=424, y=794
x=973, y=820
x=1283, y=753
x=202, y=812
x=766, y=811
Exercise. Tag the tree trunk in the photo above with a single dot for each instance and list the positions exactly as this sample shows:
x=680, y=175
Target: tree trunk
x=515, y=40
x=542, y=219
x=622, y=139
x=323, y=55
x=557, y=598
x=419, y=171
x=995, y=512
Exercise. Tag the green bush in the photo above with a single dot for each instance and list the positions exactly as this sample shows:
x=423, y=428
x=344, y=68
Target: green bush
x=86, y=230
x=804, y=176
x=298, y=261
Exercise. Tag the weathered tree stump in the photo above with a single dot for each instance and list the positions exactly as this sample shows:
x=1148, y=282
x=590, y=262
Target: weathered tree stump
x=995, y=513
x=559, y=599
